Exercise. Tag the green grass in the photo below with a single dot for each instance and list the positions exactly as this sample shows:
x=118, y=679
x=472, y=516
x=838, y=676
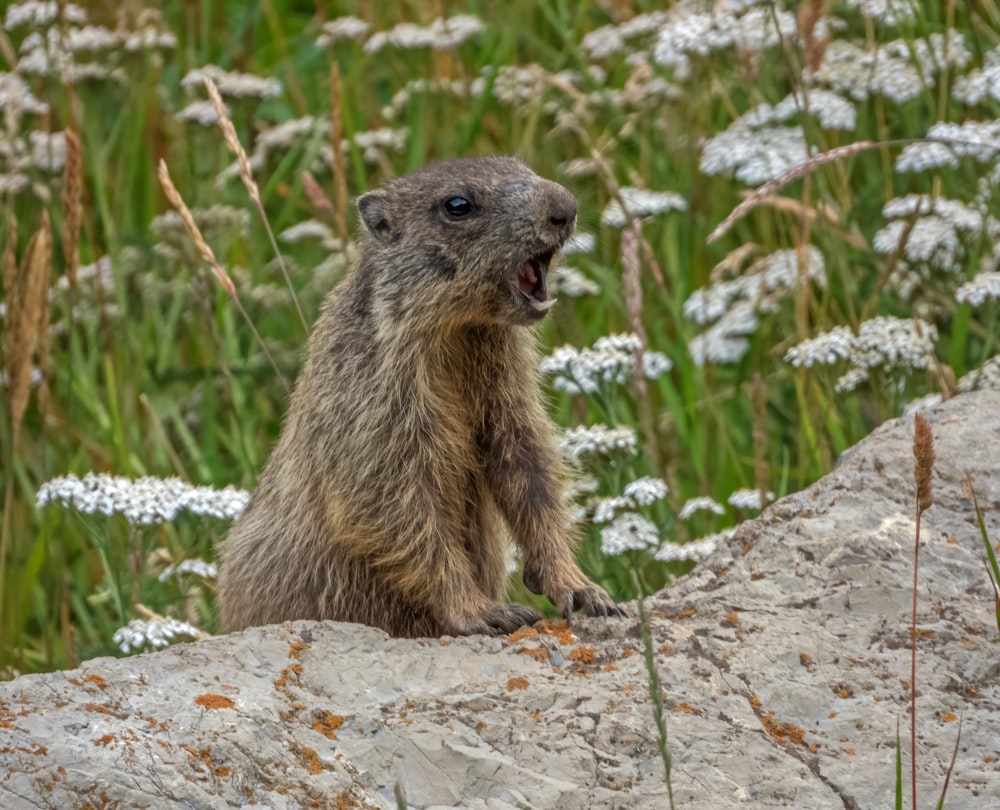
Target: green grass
x=174, y=383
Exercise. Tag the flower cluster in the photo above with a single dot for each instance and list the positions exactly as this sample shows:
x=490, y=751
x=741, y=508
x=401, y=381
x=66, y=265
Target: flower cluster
x=194, y=566
x=690, y=32
x=899, y=70
x=143, y=501
x=890, y=343
x=611, y=361
x=984, y=286
x=572, y=283
x=640, y=202
x=697, y=550
x=733, y=305
x=598, y=440
x=756, y=147
x=442, y=34
x=629, y=532
x=948, y=143
x=139, y=634
x=641, y=492
x=702, y=503
x=342, y=29
x=748, y=499
x=931, y=234
x=232, y=84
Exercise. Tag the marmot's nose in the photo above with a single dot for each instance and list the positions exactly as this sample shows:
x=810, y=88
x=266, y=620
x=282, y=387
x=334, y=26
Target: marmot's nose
x=562, y=206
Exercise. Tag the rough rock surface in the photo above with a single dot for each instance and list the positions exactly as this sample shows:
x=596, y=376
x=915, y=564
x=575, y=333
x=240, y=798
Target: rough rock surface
x=783, y=660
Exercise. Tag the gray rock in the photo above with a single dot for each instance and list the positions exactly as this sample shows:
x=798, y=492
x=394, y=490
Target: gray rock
x=783, y=660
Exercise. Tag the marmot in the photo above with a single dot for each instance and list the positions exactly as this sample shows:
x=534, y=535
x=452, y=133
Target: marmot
x=416, y=442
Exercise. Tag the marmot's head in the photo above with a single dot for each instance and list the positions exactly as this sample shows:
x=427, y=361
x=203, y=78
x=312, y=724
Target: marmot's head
x=465, y=241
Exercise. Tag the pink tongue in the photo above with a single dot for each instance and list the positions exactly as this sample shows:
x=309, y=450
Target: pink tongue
x=526, y=279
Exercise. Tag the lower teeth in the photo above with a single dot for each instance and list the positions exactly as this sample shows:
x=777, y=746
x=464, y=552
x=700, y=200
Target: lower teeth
x=542, y=306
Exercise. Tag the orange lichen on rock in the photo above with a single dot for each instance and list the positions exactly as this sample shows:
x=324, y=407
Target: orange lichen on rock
x=538, y=653
x=211, y=701
x=517, y=683
x=311, y=760
x=285, y=678
x=559, y=630
x=327, y=724
x=684, y=707
x=582, y=655
x=105, y=740
x=296, y=648
x=517, y=635
x=783, y=732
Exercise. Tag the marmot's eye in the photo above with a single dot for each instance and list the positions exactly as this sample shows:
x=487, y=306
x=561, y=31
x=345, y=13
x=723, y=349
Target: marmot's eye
x=457, y=207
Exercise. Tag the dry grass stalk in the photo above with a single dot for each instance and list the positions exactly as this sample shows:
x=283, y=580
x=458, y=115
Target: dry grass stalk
x=758, y=195
x=72, y=202
x=317, y=198
x=175, y=199
x=233, y=142
x=758, y=418
x=27, y=294
x=339, y=157
x=923, y=454
x=607, y=172
x=632, y=282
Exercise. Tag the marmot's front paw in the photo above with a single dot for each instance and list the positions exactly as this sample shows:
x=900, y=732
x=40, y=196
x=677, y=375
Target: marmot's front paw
x=499, y=620
x=578, y=593
x=593, y=600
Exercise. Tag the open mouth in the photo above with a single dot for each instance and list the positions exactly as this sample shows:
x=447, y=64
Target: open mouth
x=530, y=282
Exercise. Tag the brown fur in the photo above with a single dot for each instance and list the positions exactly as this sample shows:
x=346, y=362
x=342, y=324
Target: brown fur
x=416, y=442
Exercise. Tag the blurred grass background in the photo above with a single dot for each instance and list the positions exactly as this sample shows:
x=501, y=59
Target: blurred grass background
x=155, y=373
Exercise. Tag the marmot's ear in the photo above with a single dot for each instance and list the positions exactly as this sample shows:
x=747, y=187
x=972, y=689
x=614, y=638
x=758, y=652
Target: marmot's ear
x=374, y=210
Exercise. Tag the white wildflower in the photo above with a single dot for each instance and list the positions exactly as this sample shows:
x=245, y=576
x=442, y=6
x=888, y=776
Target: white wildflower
x=628, y=532
x=143, y=501
x=754, y=154
x=48, y=150
x=825, y=349
x=702, y=503
x=984, y=286
x=937, y=236
x=149, y=39
x=899, y=70
x=606, y=508
x=39, y=14
x=156, y=633
x=610, y=361
x=236, y=85
x=696, y=550
x=374, y=143
x=576, y=442
x=646, y=490
x=442, y=34
x=310, y=229
x=195, y=566
x=979, y=140
x=200, y=112
x=579, y=242
x=892, y=343
x=888, y=12
x=748, y=499
x=724, y=342
x=343, y=28
x=91, y=38
x=640, y=202
x=981, y=83
x=688, y=33
x=571, y=282
x=16, y=97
